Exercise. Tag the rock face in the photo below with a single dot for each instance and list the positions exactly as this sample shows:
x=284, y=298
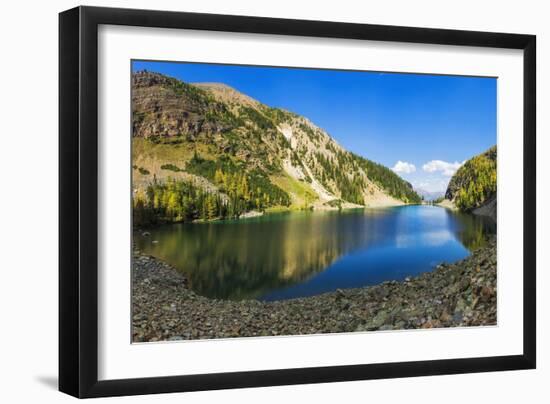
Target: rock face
x=453, y=295
x=173, y=119
x=167, y=107
x=488, y=209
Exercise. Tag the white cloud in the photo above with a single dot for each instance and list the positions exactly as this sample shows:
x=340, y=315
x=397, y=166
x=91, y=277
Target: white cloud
x=444, y=167
x=402, y=167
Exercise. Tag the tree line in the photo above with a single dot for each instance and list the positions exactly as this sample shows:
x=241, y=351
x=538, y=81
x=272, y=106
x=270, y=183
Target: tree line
x=183, y=201
x=345, y=175
x=479, y=176
x=176, y=201
x=250, y=185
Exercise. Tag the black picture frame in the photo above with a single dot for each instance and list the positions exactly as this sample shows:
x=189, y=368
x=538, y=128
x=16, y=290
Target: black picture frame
x=78, y=201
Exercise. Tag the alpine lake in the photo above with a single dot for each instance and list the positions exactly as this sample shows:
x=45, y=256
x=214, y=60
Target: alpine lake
x=288, y=255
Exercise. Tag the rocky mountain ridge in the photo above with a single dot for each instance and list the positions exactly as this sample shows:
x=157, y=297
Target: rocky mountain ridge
x=210, y=129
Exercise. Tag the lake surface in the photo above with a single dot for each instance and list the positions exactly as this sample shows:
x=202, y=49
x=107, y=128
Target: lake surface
x=296, y=254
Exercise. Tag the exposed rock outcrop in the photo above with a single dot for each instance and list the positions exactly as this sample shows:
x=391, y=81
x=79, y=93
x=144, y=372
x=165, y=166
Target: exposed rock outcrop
x=488, y=209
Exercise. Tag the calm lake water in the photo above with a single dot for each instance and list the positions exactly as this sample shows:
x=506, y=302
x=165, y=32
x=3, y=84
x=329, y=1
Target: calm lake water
x=287, y=255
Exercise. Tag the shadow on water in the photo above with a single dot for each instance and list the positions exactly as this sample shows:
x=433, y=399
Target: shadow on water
x=289, y=255
x=473, y=230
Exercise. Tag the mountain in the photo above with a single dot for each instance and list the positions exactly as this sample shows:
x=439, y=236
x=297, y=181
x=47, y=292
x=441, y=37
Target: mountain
x=473, y=188
x=210, y=140
x=429, y=195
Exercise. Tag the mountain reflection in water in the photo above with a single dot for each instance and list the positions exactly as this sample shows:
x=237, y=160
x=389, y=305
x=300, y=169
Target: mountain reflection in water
x=296, y=254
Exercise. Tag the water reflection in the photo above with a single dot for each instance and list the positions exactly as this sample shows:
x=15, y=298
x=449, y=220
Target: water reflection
x=289, y=255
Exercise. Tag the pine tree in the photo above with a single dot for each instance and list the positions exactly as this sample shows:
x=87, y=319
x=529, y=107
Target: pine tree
x=218, y=177
x=173, y=206
x=211, y=208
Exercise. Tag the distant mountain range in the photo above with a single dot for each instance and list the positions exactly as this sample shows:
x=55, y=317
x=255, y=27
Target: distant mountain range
x=429, y=195
x=228, y=144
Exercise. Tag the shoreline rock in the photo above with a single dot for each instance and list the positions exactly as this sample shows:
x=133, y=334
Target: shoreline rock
x=250, y=214
x=489, y=208
x=452, y=295
x=446, y=203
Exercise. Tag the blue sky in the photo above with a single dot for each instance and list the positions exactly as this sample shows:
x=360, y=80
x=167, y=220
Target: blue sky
x=422, y=126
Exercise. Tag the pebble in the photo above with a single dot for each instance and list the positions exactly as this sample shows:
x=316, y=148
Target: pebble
x=453, y=295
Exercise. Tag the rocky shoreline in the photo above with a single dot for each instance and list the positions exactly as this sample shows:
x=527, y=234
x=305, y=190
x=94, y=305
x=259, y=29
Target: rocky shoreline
x=453, y=295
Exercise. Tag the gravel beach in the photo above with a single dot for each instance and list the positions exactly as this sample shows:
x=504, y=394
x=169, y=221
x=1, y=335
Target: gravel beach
x=453, y=295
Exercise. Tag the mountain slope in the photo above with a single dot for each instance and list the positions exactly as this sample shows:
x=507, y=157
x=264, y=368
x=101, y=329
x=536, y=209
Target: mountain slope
x=473, y=187
x=217, y=138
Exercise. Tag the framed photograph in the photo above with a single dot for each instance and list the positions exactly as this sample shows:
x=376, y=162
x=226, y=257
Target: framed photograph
x=251, y=201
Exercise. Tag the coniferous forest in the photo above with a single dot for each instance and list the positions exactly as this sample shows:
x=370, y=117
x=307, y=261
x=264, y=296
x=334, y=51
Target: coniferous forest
x=253, y=157
x=475, y=182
